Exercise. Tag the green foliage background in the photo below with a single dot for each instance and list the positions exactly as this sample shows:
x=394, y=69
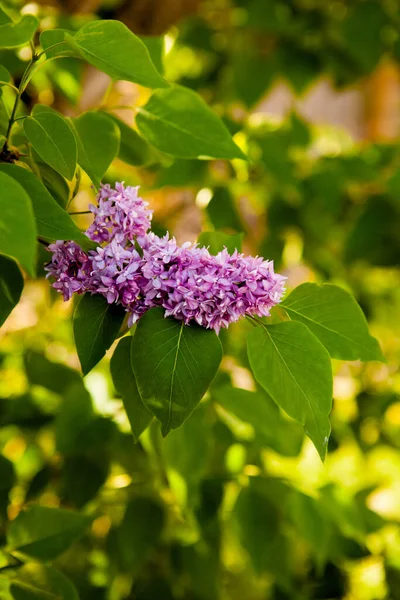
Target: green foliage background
x=236, y=503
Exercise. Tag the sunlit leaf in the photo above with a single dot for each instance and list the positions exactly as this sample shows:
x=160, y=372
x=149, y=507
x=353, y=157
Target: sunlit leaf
x=53, y=140
x=17, y=223
x=13, y=35
x=52, y=222
x=295, y=369
x=98, y=139
x=335, y=318
x=178, y=121
x=114, y=49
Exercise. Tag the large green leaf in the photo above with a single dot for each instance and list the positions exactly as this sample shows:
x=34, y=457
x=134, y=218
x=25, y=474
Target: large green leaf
x=335, y=318
x=13, y=35
x=114, y=49
x=178, y=121
x=45, y=533
x=295, y=369
x=96, y=325
x=174, y=364
x=270, y=427
x=52, y=222
x=133, y=150
x=17, y=223
x=98, y=139
x=52, y=138
x=125, y=384
x=34, y=581
x=11, y=286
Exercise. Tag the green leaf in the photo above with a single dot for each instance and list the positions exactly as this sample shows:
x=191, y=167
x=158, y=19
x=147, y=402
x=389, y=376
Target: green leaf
x=114, y=49
x=96, y=325
x=133, y=150
x=335, y=318
x=174, y=364
x=258, y=409
x=51, y=37
x=34, y=581
x=45, y=533
x=17, y=223
x=217, y=241
x=13, y=35
x=98, y=139
x=52, y=222
x=11, y=286
x=294, y=368
x=52, y=138
x=155, y=46
x=139, y=532
x=125, y=384
x=178, y=121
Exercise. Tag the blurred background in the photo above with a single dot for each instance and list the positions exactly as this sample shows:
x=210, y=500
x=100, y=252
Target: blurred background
x=235, y=504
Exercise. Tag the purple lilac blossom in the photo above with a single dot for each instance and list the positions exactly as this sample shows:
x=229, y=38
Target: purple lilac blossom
x=139, y=270
x=121, y=214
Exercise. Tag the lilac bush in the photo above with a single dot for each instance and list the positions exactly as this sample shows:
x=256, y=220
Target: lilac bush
x=137, y=269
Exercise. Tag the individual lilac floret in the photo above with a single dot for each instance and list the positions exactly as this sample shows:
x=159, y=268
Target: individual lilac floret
x=121, y=214
x=70, y=267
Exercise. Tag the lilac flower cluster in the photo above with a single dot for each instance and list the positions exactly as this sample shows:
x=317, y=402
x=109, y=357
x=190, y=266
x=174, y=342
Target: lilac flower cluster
x=139, y=270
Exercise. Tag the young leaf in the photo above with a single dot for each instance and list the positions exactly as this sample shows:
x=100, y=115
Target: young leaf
x=13, y=35
x=294, y=368
x=335, y=318
x=178, y=121
x=11, y=286
x=174, y=364
x=125, y=384
x=17, y=223
x=133, y=150
x=114, y=49
x=98, y=143
x=217, y=241
x=52, y=222
x=45, y=533
x=34, y=581
x=96, y=325
x=52, y=138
